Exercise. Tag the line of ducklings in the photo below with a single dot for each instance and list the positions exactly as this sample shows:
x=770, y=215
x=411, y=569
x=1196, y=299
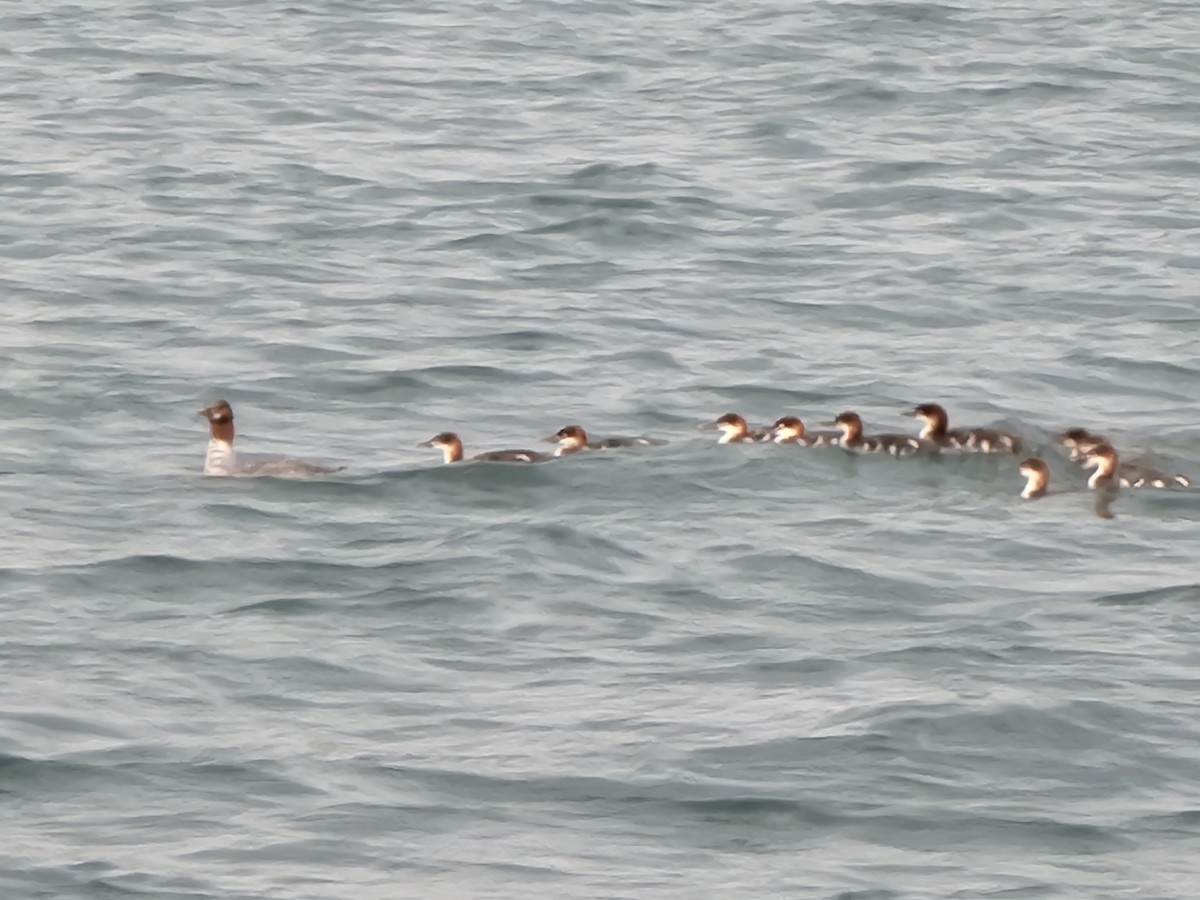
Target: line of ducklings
x=1092, y=451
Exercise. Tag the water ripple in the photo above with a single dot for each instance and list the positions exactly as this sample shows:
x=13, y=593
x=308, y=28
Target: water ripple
x=681, y=671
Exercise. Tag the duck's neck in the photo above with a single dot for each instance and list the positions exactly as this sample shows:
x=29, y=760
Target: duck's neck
x=452, y=453
x=1034, y=488
x=793, y=435
x=221, y=459
x=934, y=429
x=572, y=445
x=221, y=431
x=733, y=433
x=1106, y=468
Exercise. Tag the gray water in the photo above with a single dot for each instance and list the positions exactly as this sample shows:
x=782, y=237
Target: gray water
x=694, y=671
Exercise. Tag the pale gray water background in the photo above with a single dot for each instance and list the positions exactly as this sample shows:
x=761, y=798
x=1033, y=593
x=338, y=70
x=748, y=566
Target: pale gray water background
x=690, y=672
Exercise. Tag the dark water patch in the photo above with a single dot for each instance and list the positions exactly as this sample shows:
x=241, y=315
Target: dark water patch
x=941, y=14
x=1075, y=383
x=818, y=752
x=650, y=359
x=1184, y=824
x=780, y=398
x=616, y=232
x=240, y=512
x=893, y=172
x=1088, y=742
x=787, y=306
x=1024, y=91
x=287, y=272
x=1186, y=594
x=153, y=575
x=52, y=722
x=488, y=374
x=924, y=833
x=697, y=637
x=604, y=793
x=331, y=852
x=1182, y=504
x=925, y=198
x=774, y=674
x=502, y=246
x=556, y=201
x=283, y=606
x=76, y=882
x=612, y=175
x=565, y=275
x=30, y=778
x=383, y=383
x=523, y=340
x=681, y=331
x=1156, y=371
x=484, y=484
x=80, y=50
x=591, y=546
x=411, y=385
x=309, y=176
x=298, y=488
x=257, y=778
x=925, y=655
x=826, y=579
x=169, y=81
x=857, y=94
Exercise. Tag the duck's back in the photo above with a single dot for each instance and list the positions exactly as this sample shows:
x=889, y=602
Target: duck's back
x=288, y=467
x=521, y=456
